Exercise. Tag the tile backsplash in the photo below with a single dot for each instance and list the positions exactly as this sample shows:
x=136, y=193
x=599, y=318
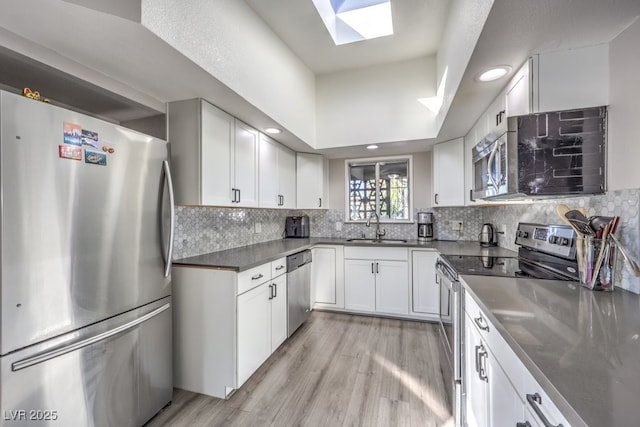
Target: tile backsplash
x=201, y=230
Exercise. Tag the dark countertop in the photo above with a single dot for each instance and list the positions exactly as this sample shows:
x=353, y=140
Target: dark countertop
x=583, y=347
x=246, y=257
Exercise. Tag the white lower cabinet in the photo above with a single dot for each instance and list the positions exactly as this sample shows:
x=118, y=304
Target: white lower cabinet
x=392, y=287
x=359, y=285
x=254, y=330
x=278, y=312
x=499, y=390
x=376, y=280
x=327, y=277
x=424, y=289
x=476, y=379
x=226, y=324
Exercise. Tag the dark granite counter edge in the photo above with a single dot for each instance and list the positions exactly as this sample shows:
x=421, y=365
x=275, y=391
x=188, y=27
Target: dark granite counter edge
x=246, y=257
x=547, y=385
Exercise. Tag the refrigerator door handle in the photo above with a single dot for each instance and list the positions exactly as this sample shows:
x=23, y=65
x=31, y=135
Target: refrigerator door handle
x=48, y=355
x=167, y=176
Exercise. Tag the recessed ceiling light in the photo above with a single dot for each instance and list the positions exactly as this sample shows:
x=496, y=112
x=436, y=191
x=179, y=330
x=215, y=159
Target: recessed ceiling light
x=350, y=21
x=493, y=74
x=372, y=147
x=272, y=131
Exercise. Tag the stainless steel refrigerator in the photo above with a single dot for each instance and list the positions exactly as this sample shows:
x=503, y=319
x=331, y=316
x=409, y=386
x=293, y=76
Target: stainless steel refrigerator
x=86, y=234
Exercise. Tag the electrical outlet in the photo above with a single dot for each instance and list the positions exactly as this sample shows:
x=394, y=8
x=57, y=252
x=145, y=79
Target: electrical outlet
x=338, y=226
x=456, y=225
x=257, y=227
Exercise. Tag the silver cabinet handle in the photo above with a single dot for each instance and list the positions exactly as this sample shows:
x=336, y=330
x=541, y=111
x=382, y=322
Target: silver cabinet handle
x=483, y=366
x=435, y=198
x=257, y=276
x=280, y=267
x=524, y=424
x=172, y=214
x=482, y=324
x=535, y=400
x=43, y=357
x=270, y=291
x=239, y=194
x=319, y=202
x=275, y=290
x=372, y=270
x=377, y=268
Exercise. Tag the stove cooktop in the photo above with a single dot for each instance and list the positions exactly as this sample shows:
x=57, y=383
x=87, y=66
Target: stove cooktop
x=503, y=267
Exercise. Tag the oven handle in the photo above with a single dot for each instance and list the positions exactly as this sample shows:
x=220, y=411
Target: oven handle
x=490, y=165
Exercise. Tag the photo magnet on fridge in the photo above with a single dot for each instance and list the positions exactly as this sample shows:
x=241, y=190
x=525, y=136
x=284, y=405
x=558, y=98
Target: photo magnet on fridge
x=69, y=152
x=72, y=134
x=95, y=158
x=90, y=138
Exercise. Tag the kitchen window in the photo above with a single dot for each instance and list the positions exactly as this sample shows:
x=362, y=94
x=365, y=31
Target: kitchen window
x=381, y=186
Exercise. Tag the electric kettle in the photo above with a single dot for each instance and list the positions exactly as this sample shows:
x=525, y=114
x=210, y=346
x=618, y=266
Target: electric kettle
x=488, y=235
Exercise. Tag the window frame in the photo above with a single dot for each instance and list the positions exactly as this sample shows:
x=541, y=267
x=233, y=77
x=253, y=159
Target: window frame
x=377, y=160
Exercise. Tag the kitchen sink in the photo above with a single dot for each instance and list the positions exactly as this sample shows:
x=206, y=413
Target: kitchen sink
x=377, y=240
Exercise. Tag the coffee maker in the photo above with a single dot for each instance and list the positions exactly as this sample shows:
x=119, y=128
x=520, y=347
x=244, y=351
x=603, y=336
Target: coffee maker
x=425, y=226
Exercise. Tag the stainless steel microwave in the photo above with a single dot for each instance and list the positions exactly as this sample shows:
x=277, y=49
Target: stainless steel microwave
x=544, y=154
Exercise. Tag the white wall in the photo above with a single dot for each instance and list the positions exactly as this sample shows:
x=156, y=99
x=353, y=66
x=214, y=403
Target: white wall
x=624, y=110
x=228, y=40
x=375, y=104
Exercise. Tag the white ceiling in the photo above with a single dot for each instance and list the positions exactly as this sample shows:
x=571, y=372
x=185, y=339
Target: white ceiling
x=136, y=65
x=418, y=26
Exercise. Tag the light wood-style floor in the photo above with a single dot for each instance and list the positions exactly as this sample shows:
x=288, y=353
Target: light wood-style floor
x=336, y=370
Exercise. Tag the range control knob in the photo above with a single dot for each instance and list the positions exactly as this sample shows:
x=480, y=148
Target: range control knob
x=553, y=239
x=564, y=241
x=525, y=234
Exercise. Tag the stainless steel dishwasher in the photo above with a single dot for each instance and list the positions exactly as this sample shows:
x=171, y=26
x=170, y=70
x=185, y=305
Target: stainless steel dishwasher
x=298, y=289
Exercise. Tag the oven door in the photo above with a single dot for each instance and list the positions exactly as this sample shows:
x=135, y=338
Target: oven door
x=451, y=330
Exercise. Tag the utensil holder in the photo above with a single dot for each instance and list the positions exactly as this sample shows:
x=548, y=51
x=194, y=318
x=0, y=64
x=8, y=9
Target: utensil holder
x=596, y=262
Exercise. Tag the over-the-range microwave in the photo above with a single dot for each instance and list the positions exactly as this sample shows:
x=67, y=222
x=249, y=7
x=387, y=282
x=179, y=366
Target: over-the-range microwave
x=543, y=154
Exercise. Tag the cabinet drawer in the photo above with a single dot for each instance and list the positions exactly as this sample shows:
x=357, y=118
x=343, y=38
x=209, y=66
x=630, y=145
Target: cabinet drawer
x=278, y=267
x=253, y=277
x=544, y=406
x=503, y=353
x=366, y=252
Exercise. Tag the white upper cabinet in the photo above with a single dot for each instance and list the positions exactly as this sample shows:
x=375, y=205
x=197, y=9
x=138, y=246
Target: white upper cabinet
x=312, y=181
x=277, y=174
x=214, y=156
x=518, y=98
x=496, y=116
x=448, y=173
x=570, y=79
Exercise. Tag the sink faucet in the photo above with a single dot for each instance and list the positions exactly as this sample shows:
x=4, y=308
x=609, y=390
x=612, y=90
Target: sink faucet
x=379, y=233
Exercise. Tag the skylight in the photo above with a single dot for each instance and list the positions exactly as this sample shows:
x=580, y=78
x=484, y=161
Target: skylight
x=350, y=21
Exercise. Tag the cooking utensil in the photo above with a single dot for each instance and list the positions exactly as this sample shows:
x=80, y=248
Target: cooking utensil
x=580, y=222
x=600, y=258
x=597, y=224
x=630, y=263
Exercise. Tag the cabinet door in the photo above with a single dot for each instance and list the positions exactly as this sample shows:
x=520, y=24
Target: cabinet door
x=359, y=285
x=287, y=177
x=425, y=290
x=475, y=380
x=323, y=275
x=254, y=330
x=496, y=116
x=278, y=311
x=518, y=98
x=245, y=160
x=268, y=173
x=505, y=406
x=216, y=156
x=392, y=287
x=310, y=181
x=448, y=173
